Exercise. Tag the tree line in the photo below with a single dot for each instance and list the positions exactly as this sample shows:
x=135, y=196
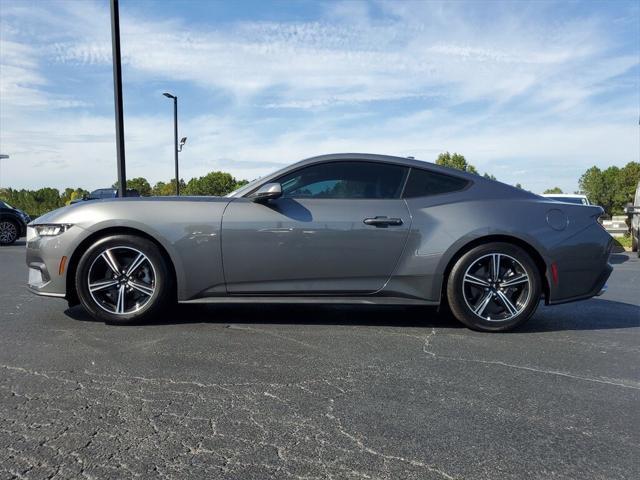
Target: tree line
x=611, y=188
x=43, y=200
x=211, y=184
x=40, y=201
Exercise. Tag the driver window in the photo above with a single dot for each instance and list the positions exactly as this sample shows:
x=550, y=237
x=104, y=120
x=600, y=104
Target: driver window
x=345, y=180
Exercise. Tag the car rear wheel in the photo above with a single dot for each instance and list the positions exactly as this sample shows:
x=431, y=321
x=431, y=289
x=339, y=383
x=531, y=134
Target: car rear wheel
x=494, y=287
x=8, y=232
x=123, y=279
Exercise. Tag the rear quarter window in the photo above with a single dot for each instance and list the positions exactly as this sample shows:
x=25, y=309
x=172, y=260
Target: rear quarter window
x=423, y=183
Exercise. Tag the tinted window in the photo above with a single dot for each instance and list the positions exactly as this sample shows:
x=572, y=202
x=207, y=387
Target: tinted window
x=577, y=200
x=345, y=180
x=103, y=193
x=422, y=183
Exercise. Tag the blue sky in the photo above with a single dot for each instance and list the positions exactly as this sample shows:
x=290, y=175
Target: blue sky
x=533, y=92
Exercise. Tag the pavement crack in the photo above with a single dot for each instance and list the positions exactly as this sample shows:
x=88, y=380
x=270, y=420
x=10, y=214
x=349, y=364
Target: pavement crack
x=384, y=456
x=427, y=348
x=427, y=343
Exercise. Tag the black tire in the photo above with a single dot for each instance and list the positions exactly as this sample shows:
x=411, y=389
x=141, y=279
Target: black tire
x=524, y=296
x=153, y=274
x=9, y=232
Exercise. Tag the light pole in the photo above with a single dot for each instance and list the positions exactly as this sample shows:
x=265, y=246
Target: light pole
x=117, y=96
x=175, y=136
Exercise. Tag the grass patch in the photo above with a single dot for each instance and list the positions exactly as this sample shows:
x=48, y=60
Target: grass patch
x=622, y=243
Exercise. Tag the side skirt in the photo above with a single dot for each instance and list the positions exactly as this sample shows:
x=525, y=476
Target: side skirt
x=314, y=300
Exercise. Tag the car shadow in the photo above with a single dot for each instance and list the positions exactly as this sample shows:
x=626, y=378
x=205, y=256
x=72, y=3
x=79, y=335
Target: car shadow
x=17, y=243
x=594, y=314
x=618, y=258
x=260, y=313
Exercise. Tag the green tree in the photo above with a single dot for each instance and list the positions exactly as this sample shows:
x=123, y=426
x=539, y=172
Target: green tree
x=162, y=189
x=34, y=202
x=553, y=190
x=489, y=176
x=455, y=160
x=139, y=184
x=158, y=189
x=629, y=178
x=518, y=185
x=70, y=194
x=213, y=184
x=611, y=188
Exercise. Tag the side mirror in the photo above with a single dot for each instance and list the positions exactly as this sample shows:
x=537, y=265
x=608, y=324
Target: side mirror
x=268, y=191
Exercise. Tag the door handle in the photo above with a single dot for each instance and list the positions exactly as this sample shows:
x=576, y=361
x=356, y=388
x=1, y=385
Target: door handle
x=383, y=222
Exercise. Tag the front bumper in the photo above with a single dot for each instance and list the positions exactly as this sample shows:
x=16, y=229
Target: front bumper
x=44, y=257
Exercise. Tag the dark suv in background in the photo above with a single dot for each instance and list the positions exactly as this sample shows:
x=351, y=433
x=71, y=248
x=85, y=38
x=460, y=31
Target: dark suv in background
x=13, y=223
x=102, y=193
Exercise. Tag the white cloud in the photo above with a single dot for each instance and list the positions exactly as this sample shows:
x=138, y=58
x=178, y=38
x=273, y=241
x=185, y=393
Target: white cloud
x=357, y=59
x=537, y=88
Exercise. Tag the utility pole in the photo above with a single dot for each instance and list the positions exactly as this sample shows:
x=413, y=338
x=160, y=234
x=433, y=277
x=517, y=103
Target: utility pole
x=175, y=137
x=117, y=96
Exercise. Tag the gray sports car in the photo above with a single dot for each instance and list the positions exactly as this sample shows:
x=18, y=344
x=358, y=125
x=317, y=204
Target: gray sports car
x=343, y=228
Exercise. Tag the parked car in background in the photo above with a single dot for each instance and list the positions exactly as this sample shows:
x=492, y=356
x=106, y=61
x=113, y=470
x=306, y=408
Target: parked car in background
x=343, y=228
x=102, y=193
x=634, y=214
x=13, y=223
x=568, y=198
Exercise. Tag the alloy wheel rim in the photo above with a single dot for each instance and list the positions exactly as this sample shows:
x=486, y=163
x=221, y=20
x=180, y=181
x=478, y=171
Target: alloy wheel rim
x=121, y=280
x=8, y=232
x=496, y=287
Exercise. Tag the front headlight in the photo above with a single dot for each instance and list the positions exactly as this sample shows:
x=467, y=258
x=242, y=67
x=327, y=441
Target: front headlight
x=51, y=229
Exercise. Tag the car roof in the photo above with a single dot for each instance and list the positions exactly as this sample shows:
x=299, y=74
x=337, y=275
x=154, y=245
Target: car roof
x=372, y=157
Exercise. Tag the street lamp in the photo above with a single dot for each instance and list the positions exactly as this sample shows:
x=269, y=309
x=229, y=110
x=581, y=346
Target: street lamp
x=175, y=137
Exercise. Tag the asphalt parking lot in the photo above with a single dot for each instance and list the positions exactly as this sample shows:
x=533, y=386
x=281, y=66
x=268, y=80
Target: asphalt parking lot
x=319, y=392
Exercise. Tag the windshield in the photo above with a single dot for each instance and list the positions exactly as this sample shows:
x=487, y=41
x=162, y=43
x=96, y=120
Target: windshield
x=247, y=186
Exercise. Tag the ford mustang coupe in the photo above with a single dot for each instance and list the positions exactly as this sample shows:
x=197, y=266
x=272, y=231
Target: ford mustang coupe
x=342, y=228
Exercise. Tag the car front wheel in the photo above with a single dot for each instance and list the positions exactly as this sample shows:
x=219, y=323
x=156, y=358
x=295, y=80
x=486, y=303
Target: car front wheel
x=494, y=287
x=8, y=232
x=123, y=279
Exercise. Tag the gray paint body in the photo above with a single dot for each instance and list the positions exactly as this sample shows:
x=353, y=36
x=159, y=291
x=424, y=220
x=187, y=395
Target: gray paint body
x=233, y=249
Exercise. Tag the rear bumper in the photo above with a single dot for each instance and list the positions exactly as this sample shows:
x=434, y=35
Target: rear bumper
x=583, y=266
x=599, y=288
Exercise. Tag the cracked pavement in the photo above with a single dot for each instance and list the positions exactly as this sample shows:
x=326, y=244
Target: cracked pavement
x=306, y=392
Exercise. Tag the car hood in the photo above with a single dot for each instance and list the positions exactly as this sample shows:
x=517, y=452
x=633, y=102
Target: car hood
x=89, y=212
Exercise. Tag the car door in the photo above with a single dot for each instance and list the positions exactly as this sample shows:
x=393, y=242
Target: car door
x=339, y=227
